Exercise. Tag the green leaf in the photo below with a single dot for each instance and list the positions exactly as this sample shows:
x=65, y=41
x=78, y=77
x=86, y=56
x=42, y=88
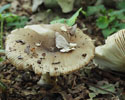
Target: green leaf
x=8, y=17
x=94, y=9
x=115, y=23
x=92, y=95
x=121, y=5
x=83, y=12
x=112, y=18
x=102, y=87
x=107, y=32
x=102, y=22
x=4, y=7
x=69, y=21
x=72, y=20
x=119, y=14
x=63, y=20
x=11, y=18
x=18, y=22
x=120, y=26
x=1, y=59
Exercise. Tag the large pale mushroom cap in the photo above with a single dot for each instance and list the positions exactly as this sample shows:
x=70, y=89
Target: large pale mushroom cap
x=112, y=54
x=35, y=47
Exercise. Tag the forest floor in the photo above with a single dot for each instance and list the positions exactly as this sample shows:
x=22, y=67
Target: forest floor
x=89, y=83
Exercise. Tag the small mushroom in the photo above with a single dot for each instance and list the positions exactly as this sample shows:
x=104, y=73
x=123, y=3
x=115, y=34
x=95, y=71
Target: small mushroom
x=111, y=55
x=50, y=59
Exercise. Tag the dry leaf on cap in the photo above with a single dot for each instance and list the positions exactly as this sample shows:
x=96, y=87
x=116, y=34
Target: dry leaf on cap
x=63, y=45
x=73, y=29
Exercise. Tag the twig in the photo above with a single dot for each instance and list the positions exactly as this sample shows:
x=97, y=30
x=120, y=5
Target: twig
x=1, y=34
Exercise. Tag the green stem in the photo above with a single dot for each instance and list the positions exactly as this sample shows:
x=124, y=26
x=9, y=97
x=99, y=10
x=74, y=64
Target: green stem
x=2, y=86
x=1, y=34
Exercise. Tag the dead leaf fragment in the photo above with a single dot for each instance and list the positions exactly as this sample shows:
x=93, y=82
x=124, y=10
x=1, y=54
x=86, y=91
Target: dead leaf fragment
x=73, y=29
x=63, y=45
x=36, y=4
x=27, y=50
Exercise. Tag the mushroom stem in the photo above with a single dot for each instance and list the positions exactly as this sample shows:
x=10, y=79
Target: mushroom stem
x=46, y=80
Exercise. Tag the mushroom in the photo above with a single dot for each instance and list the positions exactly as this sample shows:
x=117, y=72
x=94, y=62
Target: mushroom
x=111, y=55
x=49, y=50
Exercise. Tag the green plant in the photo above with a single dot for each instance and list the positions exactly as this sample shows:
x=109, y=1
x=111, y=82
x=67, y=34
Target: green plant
x=11, y=20
x=108, y=20
x=91, y=10
x=69, y=21
x=111, y=22
x=1, y=59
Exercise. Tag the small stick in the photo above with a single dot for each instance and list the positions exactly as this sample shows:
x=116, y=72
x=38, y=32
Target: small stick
x=1, y=34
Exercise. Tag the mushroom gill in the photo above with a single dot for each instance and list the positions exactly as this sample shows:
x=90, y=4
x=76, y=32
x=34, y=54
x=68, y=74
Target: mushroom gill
x=111, y=55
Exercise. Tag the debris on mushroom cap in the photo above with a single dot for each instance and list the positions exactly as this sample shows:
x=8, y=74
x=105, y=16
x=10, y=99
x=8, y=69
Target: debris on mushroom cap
x=112, y=54
x=38, y=44
x=73, y=29
x=47, y=57
x=63, y=28
x=61, y=43
x=20, y=41
x=39, y=29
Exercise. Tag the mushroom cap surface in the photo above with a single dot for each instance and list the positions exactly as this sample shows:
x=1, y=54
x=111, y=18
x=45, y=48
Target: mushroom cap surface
x=29, y=48
x=111, y=55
